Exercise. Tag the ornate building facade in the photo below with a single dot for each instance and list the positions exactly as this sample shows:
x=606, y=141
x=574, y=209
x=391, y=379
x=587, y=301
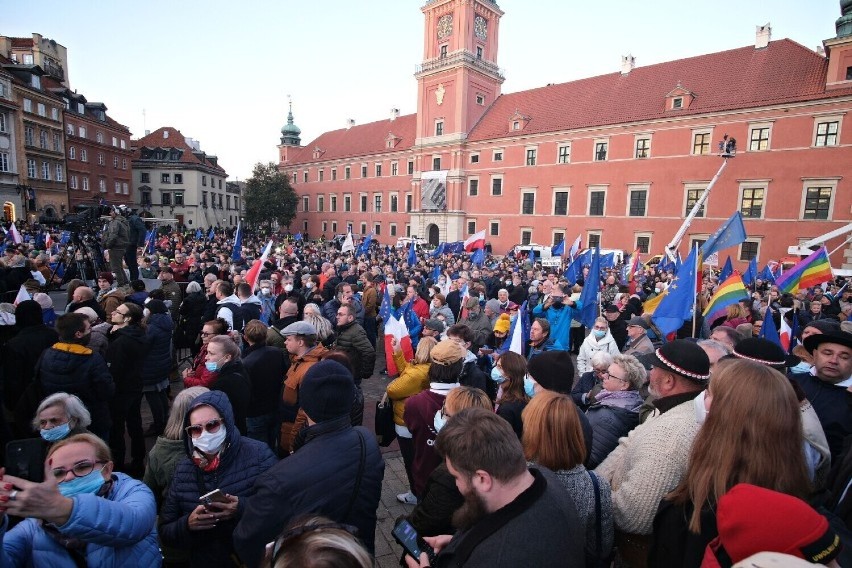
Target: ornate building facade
x=619, y=159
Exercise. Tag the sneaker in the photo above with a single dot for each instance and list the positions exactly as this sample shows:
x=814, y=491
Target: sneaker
x=407, y=498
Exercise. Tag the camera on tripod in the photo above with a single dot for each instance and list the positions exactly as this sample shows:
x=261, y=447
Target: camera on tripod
x=86, y=219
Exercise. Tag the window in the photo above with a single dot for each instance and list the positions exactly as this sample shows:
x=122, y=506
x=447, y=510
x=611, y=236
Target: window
x=480, y=99
x=3, y=122
x=560, y=203
x=305, y=176
x=165, y=178
x=526, y=236
x=320, y=175
x=204, y=181
x=693, y=194
x=31, y=168
x=124, y=164
x=410, y=167
x=528, y=203
x=82, y=131
x=57, y=143
x=638, y=202
x=72, y=153
x=85, y=183
x=394, y=203
x=563, y=154
x=123, y=144
x=166, y=199
x=42, y=139
x=332, y=203
x=35, y=80
x=220, y=201
x=333, y=174
x=41, y=109
x=826, y=133
x=84, y=155
x=59, y=173
x=227, y=201
x=748, y=250
x=101, y=160
x=497, y=156
x=394, y=168
x=54, y=113
x=494, y=228
x=377, y=229
x=204, y=199
x=643, y=147
x=443, y=51
x=347, y=172
x=597, y=199
x=677, y=102
x=363, y=228
x=408, y=202
x=758, y=138
x=29, y=136
x=497, y=186
x=320, y=203
x=347, y=203
x=363, y=171
x=28, y=105
x=751, y=202
x=4, y=162
x=600, y=150
x=305, y=203
x=643, y=243
x=102, y=186
x=473, y=187
x=594, y=240
x=377, y=203
x=558, y=237
x=363, y=204
x=516, y=125
x=99, y=137
x=471, y=227
x=378, y=170
x=392, y=229
x=178, y=178
x=333, y=226
x=179, y=198
x=818, y=203
x=407, y=229
x=439, y=128
x=479, y=52
x=324, y=226
x=70, y=129
x=474, y=158
x=701, y=143
x=72, y=182
x=144, y=177
x=115, y=162
x=118, y=187
x=436, y=163
x=531, y=154
x=45, y=170
x=114, y=142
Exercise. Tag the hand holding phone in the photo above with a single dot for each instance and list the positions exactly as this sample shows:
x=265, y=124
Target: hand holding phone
x=406, y=535
x=215, y=496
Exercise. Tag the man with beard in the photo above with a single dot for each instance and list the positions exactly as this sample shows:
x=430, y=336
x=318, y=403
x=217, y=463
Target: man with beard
x=652, y=459
x=512, y=515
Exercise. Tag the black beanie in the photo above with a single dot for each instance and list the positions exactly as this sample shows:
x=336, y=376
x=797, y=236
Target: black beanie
x=157, y=307
x=553, y=370
x=28, y=314
x=327, y=391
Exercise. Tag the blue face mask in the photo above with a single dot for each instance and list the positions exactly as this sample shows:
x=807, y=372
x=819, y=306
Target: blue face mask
x=529, y=386
x=56, y=433
x=599, y=334
x=90, y=483
x=497, y=376
x=212, y=366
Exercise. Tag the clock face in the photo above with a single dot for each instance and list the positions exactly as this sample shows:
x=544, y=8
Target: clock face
x=480, y=27
x=445, y=26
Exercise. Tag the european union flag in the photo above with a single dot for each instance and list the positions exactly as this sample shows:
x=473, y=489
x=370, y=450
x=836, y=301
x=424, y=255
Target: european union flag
x=412, y=254
x=364, y=249
x=198, y=234
x=478, y=257
x=732, y=232
x=385, y=307
x=589, y=296
x=64, y=237
x=607, y=261
x=575, y=269
x=766, y=274
x=436, y=273
x=238, y=243
x=559, y=249
x=297, y=237
x=727, y=270
x=439, y=250
x=210, y=234
x=677, y=305
x=751, y=272
x=769, y=331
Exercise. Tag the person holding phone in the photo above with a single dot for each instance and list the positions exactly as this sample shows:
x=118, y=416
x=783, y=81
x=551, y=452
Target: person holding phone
x=217, y=457
x=83, y=514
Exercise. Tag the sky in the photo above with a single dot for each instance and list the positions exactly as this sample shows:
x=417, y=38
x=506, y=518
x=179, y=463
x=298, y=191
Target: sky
x=221, y=71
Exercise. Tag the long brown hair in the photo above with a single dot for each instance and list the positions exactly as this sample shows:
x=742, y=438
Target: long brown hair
x=553, y=435
x=753, y=434
x=514, y=368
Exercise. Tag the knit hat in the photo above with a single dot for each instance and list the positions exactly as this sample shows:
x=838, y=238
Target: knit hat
x=327, y=391
x=493, y=305
x=156, y=306
x=434, y=325
x=752, y=519
x=45, y=301
x=760, y=350
x=838, y=337
x=685, y=358
x=447, y=352
x=28, y=313
x=503, y=323
x=106, y=276
x=611, y=309
x=88, y=312
x=553, y=370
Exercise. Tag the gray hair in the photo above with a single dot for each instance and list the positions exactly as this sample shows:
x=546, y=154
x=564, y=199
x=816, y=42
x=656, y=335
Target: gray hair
x=174, y=425
x=719, y=347
x=74, y=408
x=601, y=360
x=193, y=287
x=635, y=371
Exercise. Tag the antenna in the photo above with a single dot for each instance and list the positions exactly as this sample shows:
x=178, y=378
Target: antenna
x=144, y=122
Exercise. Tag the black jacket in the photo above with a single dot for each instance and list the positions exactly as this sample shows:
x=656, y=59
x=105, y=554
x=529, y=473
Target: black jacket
x=191, y=314
x=128, y=348
x=19, y=359
x=609, y=423
x=473, y=376
x=233, y=381
x=158, y=364
x=318, y=479
x=266, y=367
x=511, y=413
x=831, y=404
x=433, y=514
x=585, y=383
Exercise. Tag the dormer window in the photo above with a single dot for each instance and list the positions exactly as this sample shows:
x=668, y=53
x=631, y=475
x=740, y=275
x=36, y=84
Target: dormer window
x=518, y=121
x=677, y=102
x=81, y=108
x=516, y=125
x=36, y=81
x=679, y=98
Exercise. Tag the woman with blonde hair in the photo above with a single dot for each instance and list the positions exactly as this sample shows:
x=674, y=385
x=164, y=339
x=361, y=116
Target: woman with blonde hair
x=553, y=438
x=325, y=331
x=413, y=378
x=317, y=542
x=752, y=434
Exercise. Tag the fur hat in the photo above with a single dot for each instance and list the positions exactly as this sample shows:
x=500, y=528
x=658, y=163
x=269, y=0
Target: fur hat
x=685, y=358
x=327, y=391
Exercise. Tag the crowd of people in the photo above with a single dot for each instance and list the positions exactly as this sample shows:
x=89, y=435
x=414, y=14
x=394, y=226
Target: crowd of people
x=586, y=446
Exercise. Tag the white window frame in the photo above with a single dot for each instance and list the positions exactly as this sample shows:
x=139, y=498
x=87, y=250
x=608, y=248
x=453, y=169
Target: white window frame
x=491, y=185
x=553, y=233
x=377, y=229
x=589, y=190
x=394, y=168
x=28, y=105
x=378, y=203
x=597, y=232
x=527, y=149
x=498, y=155
x=32, y=168
x=102, y=185
x=559, y=148
x=757, y=240
x=697, y=132
x=521, y=232
x=648, y=234
x=54, y=113
x=753, y=184
x=408, y=229
x=325, y=226
x=363, y=228
x=474, y=157
x=391, y=196
x=687, y=187
x=306, y=204
x=491, y=223
x=72, y=182
x=759, y=126
x=85, y=185
x=72, y=153
x=824, y=119
x=332, y=203
x=392, y=230
x=553, y=193
x=60, y=176
x=642, y=136
x=99, y=137
x=84, y=155
x=320, y=203
x=42, y=110
x=523, y=192
x=347, y=208
x=819, y=182
x=439, y=126
x=478, y=186
x=646, y=187
x=366, y=209
x=595, y=149
x=4, y=162
x=467, y=223
x=81, y=131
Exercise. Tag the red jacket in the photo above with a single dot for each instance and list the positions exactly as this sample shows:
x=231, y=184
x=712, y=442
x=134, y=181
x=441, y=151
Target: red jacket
x=200, y=376
x=419, y=417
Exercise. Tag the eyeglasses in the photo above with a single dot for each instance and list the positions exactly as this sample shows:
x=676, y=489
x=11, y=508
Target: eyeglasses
x=607, y=374
x=119, y=313
x=210, y=426
x=207, y=333
x=79, y=469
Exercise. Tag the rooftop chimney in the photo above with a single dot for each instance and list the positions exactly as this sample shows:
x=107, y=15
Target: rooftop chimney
x=820, y=51
x=628, y=63
x=147, y=132
x=762, y=36
x=350, y=122
x=394, y=114
x=165, y=134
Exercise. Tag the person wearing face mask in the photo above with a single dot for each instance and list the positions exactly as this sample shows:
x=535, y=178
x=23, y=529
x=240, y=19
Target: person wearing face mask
x=69, y=366
x=439, y=306
x=223, y=358
x=509, y=373
x=216, y=457
x=267, y=302
x=478, y=322
x=559, y=310
x=83, y=514
x=600, y=339
x=59, y=416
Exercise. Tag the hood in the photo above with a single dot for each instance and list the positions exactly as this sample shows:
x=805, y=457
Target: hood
x=232, y=299
x=250, y=300
x=66, y=358
x=28, y=314
x=219, y=401
x=161, y=322
x=133, y=332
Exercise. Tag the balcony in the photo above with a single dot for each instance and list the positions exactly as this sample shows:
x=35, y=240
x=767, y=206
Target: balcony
x=457, y=58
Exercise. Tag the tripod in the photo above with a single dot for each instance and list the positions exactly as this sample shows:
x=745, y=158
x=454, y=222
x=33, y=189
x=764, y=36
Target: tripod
x=79, y=260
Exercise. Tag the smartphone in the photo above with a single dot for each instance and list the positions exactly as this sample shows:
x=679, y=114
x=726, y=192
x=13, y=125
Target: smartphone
x=215, y=496
x=406, y=535
x=25, y=459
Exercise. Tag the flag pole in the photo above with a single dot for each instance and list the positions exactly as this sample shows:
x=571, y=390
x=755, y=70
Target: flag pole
x=695, y=292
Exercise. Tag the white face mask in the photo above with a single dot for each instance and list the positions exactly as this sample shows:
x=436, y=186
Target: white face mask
x=440, y=421
x=211, y=443
x=700, y=408
x=288, y=287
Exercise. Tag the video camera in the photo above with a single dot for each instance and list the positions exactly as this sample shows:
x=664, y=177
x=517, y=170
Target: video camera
x=86, y=219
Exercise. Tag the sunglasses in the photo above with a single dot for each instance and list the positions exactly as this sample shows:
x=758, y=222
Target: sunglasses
x=80, y=469
x=210, y=426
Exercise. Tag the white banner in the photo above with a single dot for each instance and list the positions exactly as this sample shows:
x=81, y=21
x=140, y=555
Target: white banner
x=552, y=261
x=433, y=190
x=713, y=259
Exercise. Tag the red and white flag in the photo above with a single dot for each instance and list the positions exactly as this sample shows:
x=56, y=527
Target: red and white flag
x=48, y=242
x=22, y=296
x=396, y=329
x=16, y=236
x=254, y=271
x=475, y=241
x=785, y=334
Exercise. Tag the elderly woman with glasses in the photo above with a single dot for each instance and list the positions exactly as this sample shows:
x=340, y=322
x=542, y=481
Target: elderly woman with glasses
x=83, y=514
x=202, y=506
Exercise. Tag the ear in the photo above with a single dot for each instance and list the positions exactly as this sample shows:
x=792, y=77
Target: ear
x=108, y=468
x=482, y=480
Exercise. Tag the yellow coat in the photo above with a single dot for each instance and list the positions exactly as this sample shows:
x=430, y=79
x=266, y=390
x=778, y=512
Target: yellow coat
x=412, y=380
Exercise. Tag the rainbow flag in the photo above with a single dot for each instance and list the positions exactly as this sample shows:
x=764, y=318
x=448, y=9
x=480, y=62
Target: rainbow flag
x=729, y=292
x=807, y=273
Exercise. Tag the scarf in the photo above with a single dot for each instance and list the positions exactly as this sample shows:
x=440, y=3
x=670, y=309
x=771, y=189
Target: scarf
x=628, y=400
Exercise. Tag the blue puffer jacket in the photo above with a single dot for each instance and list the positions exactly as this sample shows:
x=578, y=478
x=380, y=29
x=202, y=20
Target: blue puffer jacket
x=158, y=363
x=609, y=424
x=242, y=461
x=119, y=531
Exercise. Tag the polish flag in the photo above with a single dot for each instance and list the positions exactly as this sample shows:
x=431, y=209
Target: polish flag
x=475, y=241
x=785, y=333
x=465, y=294
x=22, y=296
x=16, y=236
x=254, y=271
x=48, y=242
x=396, y=328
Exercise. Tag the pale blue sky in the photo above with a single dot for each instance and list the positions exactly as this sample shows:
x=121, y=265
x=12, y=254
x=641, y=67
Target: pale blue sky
x=220, y=70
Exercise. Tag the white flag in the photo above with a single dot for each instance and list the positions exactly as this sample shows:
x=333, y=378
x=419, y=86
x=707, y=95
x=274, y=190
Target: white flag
x=348, y=245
